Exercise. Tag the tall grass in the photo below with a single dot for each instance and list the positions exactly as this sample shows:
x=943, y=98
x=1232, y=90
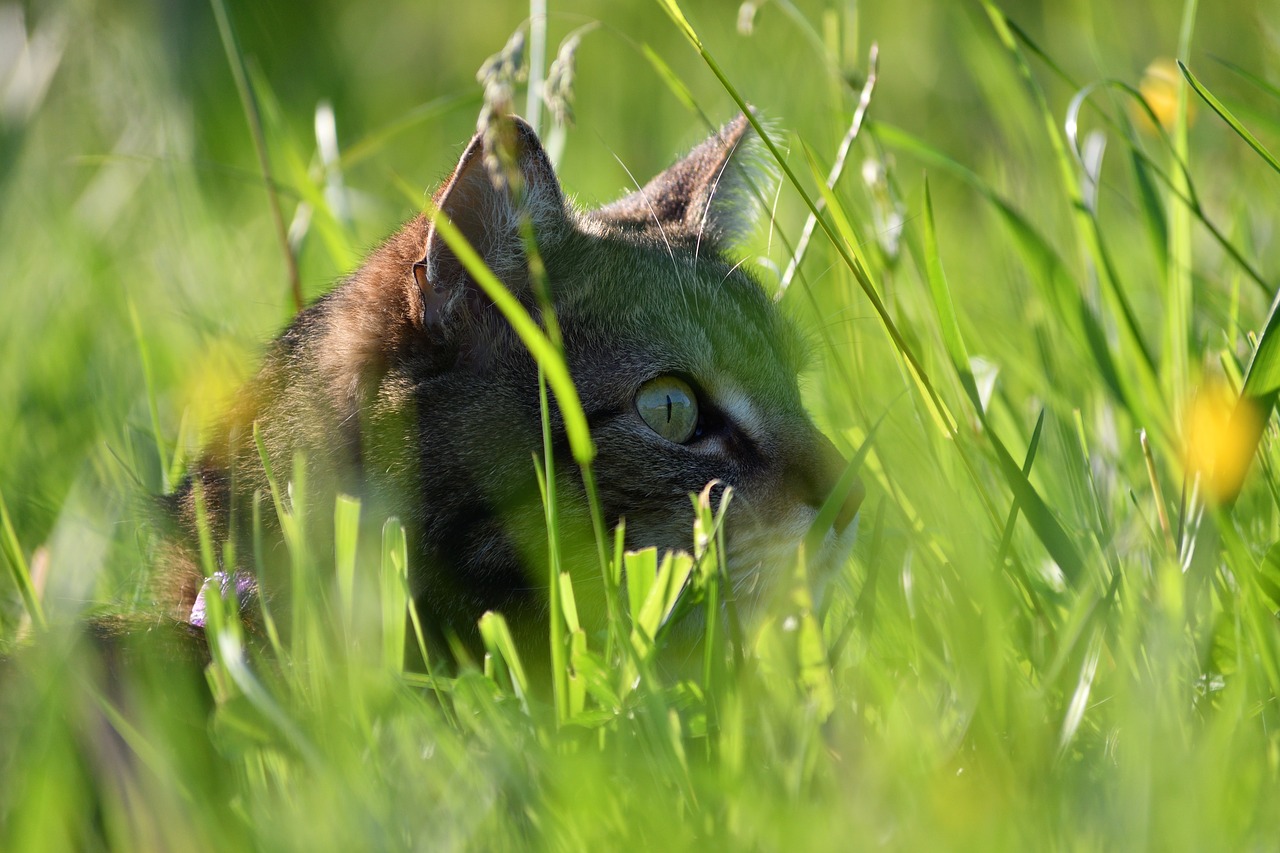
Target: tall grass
x=1041, y=298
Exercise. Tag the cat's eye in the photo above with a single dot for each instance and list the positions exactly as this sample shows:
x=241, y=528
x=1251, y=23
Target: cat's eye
x=670, y=408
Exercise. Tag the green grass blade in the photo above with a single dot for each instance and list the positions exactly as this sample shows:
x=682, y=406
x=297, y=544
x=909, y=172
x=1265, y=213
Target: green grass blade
x=1080, y=697
x=1153, y=212
x=1257, y=400
x=1263, y=84
x=260, y=561
x=535, y=340
x=1226, y=115
x=1006, y=539
x=304, y=583
x=640, y=569
x=672, y=8
x=499, y=643
x=545, y=472
x=828, y=200
x=346, y=533
x=1041, y=519
x=11, y=548
x=1262, y=377
x=239, y=71
x=945, y=308
x=667, y=582
x=153, y=407
x=393, y=576
x=670, y=78
x=277, y=499
x=1178, y=296
x=831, y=507
x=1047, y=528
x=303, y=174
x=850, y=248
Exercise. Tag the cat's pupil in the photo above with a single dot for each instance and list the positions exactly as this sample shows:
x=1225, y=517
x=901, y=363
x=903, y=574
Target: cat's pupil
x=669, y=407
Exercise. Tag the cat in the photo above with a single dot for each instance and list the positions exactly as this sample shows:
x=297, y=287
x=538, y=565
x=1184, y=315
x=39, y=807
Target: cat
x=406, y=387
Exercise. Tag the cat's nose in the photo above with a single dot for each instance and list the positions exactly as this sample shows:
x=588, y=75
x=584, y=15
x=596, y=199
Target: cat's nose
x=818, y=476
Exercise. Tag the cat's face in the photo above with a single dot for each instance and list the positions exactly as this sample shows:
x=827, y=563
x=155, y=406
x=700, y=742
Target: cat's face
x=693, y=380
x=686, y=370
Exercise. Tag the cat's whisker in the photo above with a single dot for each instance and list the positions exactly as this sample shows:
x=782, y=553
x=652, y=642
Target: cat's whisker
x=652, y=212
x=773, y=217
x=706, y=208
x=733, y=269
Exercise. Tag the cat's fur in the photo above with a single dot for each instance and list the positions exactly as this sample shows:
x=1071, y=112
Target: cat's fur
x=407, y=387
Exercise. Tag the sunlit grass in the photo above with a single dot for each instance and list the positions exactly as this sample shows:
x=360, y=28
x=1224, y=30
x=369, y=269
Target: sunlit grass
x=1059, y=626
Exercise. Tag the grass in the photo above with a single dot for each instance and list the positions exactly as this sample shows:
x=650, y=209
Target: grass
x=1042, y=304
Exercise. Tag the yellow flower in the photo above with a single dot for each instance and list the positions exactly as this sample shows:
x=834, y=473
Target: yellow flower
x=1222, y=436
x=1159, y=88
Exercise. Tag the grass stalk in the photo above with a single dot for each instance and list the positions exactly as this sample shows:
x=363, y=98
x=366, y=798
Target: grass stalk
x=248, y=101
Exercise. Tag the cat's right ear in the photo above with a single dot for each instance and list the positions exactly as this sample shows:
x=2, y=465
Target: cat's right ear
x=486, y=206
x=708, y=197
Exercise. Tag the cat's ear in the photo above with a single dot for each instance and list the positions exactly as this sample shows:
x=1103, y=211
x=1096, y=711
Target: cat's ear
x=486, y=205
x=709, y=196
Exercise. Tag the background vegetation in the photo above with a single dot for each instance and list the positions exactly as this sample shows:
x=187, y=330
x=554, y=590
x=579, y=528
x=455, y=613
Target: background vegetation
x=1084, y=655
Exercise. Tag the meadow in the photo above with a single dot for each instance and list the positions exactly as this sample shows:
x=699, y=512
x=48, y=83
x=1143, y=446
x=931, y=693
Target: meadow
x=1040, y=284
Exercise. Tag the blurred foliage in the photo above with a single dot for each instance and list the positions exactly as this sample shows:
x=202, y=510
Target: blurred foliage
x=983, y=698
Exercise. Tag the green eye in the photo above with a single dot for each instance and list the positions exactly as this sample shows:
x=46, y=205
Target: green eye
x=668, y=405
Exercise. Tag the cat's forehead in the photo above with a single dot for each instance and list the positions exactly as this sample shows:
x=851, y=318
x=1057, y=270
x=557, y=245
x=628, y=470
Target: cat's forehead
x=674, y=309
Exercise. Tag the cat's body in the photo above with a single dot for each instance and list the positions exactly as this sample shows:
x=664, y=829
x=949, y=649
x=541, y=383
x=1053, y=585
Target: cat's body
x=406, y=387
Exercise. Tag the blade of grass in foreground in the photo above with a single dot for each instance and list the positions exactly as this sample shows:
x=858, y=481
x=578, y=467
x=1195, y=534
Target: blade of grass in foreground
x=501, y=647
x=153, y=408
x=1253, y=410
x=945, y=308
x=844, y=486
x=310, y=185
x=393, y=576
x=346, y=532
x=1227, y=116
x=555, y=607
x=1179, y=299
x=18, y=567
x=1006, y=538
x=239, y=71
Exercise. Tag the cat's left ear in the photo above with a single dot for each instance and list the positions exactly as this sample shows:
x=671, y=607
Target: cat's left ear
x=708, y=197
x=486, y=204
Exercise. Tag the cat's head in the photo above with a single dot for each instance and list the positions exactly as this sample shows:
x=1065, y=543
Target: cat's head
x=686, y=369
